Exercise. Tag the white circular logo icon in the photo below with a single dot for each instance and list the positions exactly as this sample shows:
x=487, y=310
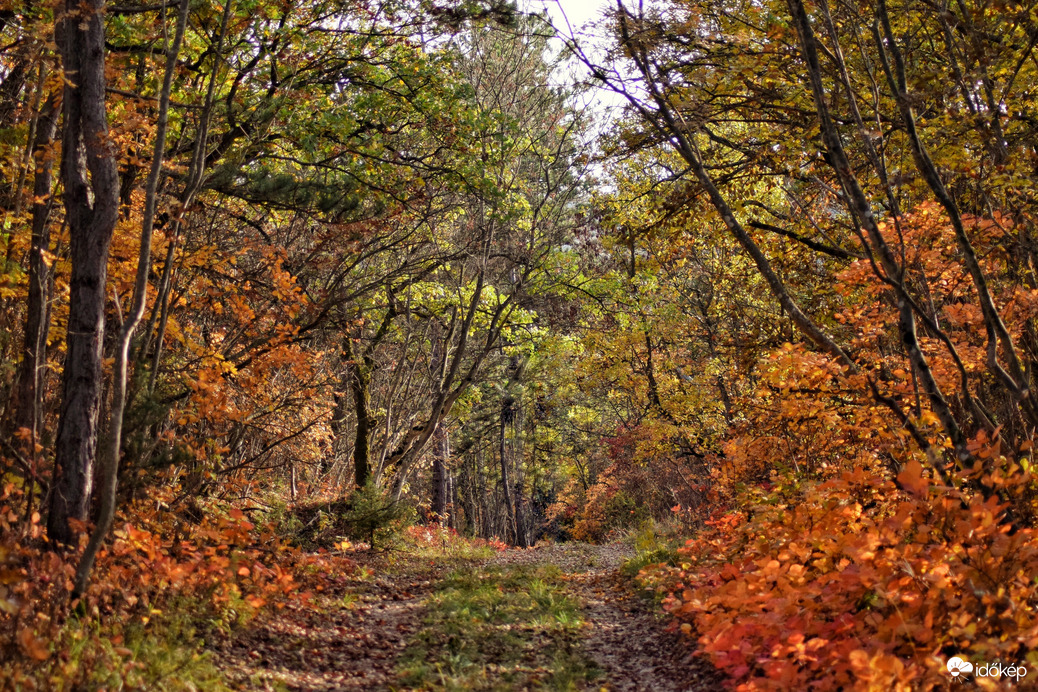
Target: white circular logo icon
x=958, y=666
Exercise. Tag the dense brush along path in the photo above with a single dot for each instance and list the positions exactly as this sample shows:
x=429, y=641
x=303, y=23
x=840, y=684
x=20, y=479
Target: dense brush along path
x=556, y=617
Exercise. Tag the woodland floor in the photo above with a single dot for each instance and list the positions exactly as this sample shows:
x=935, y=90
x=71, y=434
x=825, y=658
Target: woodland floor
x=553, y=617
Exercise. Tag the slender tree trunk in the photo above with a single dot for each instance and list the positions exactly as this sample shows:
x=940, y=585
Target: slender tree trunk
x=518, y=492
x=441, y=478
x=91, y=180
x=27, y=393
x=452, y=501
x=507, y=412
x=10, y=88
x=452, y=383
x=362, y=404
x=196, y=171
x=338, y=425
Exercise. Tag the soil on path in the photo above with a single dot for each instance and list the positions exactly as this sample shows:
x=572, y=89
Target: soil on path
x=352, y=633
x=347, y=637
x=625, y=638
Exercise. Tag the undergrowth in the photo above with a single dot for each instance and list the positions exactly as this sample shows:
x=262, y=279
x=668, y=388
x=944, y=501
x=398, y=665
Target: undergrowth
x=441, y=543
x=367, y=515
x=163, y=590
x=654, y=543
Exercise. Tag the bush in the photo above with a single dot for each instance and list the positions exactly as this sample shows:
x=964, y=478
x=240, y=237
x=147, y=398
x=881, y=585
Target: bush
x=367, y=514
x=653, y=545
x=162, y=587
x=857, y=584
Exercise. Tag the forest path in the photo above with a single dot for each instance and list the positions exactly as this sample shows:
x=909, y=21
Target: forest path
x=622, y=633
x=556, y=617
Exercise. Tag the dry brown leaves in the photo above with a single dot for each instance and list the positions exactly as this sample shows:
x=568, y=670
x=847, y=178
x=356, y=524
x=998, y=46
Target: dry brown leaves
x=351, y=634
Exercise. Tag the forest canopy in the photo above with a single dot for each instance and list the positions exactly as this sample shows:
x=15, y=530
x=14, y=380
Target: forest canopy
x=281, y=277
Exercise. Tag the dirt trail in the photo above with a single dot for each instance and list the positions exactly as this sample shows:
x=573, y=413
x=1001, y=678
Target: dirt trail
x=624, y=637
x=353, y=632
x=347, y=638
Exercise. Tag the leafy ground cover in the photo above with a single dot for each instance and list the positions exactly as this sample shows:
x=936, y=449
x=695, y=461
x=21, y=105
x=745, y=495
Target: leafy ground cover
x=224, y=603
x=442, y=613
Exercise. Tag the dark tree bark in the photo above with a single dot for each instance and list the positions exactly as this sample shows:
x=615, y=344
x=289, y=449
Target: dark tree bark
x=452, y=501
x=512, y=506
x=338, y=423
x=441, y=478
x=120, y=375
x=506, y=483
x=362, y=442
x=27, y=392
x=91, y=182
x=10, y=89
x=359, y=386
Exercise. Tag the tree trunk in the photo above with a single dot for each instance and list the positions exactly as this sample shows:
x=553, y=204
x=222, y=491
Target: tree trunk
x=10, y=88
x=452, y=501
x=518, y=537
x=110, y=460
x=518, y=490
x=91, y=181
x=361, y=403
x=441, y=479
x=27, y=393
x=339, y=427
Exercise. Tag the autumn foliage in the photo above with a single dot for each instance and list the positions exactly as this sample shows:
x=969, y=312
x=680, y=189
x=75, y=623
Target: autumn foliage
x=856, y=584
x=159, y=572
x=277, y=280
x=838, y=560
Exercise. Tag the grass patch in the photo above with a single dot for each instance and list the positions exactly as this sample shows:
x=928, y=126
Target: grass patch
x=499, y=629
x=636, y=564
x=653, y=545
x=432, y=542
x=172, y=657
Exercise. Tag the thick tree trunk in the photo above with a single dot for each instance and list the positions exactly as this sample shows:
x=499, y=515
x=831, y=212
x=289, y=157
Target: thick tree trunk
x=90, y=175
x=109, y=482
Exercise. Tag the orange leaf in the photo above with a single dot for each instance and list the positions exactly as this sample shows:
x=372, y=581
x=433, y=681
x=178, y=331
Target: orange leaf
x=911, y=479
x=33, y=646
